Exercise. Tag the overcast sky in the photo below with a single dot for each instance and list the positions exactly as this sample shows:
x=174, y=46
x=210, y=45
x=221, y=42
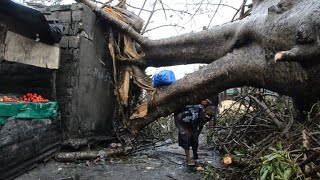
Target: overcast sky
x=224, y=14
x=182, y=22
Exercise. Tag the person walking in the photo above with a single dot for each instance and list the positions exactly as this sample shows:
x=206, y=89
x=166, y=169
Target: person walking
x=189, y=123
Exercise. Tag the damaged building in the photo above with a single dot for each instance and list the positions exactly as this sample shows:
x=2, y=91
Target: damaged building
x=71, y=71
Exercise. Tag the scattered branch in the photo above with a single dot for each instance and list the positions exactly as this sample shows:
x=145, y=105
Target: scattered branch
x=90, y=155
x=270, y=113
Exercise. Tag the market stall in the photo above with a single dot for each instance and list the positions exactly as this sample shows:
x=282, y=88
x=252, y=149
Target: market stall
x=29, y=116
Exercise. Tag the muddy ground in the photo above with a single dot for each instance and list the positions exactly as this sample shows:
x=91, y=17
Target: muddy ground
x=164, y=161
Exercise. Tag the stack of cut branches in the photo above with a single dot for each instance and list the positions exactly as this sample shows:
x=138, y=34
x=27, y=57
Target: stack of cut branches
x=257, y=122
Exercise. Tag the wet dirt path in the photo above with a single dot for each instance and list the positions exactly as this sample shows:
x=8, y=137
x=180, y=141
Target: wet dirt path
x=164, y=162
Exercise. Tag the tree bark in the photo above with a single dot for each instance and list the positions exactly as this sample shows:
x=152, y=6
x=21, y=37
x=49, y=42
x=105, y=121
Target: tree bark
x=90, y=155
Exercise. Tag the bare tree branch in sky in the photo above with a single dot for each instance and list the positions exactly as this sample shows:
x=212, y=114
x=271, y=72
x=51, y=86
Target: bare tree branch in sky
x=144, y=3
x=150, y=16
x=214, y=13
x=165, y=25
x=241, y=9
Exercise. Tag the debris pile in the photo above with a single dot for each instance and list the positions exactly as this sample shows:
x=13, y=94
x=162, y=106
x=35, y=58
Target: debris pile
x=250, y=133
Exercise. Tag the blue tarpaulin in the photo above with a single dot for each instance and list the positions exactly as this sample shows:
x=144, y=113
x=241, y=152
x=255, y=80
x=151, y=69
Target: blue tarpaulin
x=164, y=77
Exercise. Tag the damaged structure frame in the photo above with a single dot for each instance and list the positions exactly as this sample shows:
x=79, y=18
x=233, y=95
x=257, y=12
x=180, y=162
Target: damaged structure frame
x=73, y=72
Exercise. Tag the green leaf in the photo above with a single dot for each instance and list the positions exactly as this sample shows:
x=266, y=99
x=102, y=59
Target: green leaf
x=282, y=167
x=272, y=176
x=264, y=175
x=279, y=171
x=272, y=157
x=287, y=174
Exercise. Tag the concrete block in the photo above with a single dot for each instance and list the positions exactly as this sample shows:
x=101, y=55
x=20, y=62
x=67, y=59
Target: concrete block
x=61, y=7
x=61, y=16
x=64, y=43
x=74, y=41
x=76, y=28
x=76, y=6
x=67, y=28
x=77, y=16
x=75, y=53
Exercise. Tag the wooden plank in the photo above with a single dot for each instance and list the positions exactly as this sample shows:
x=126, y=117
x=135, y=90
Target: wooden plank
x=28, y=51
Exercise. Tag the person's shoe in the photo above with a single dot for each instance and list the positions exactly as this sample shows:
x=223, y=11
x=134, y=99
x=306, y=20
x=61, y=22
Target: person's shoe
x=191, y=163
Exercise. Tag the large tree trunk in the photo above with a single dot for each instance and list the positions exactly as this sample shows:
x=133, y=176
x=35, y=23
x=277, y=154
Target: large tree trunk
x=245, y=66
x=277, y=48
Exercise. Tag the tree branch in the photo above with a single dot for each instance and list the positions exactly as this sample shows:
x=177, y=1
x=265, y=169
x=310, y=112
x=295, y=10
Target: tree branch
x=215, y=12
x=268, y=111
x=202, y=47
x=119, y=24
x=150, y=16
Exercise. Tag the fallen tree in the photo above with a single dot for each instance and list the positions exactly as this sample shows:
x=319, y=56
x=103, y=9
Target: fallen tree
x=277, y=47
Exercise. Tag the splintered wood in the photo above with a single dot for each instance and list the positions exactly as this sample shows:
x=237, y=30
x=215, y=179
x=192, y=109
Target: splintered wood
x=123, y=48
x=140, y=112
x=230, y=160
x=227, y=159
x=141, y=79
x=130, y=48
x=124, y=82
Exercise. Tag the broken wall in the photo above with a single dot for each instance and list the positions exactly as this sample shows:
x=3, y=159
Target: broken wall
x=84, y=82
